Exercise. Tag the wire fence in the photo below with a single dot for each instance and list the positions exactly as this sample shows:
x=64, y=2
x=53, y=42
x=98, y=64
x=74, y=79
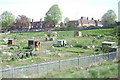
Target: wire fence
x=21, y=72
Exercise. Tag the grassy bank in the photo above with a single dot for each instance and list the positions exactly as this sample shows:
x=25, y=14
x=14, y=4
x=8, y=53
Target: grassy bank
x=104, y=70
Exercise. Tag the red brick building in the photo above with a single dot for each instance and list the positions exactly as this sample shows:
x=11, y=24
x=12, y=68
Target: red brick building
x=41, y=25
x=85, y=22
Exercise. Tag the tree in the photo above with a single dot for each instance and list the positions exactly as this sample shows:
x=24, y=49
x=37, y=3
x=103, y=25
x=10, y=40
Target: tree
x=117, y=33
x=0, y=23
x=109, y=18
x=21, y=21
x=54, y=15
x=7, y=18
x=66, y=20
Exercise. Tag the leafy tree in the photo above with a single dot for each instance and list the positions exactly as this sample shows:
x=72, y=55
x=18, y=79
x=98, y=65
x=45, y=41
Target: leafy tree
x=7, y=18
x=54, y=15
x=109, y=18
x=0, y=23
x=21, y=21
x=117, y=34
x=66, y=20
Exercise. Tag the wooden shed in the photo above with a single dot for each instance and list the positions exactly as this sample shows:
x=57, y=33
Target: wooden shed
x=36, y=44
x=12, y=41
x=77, y=33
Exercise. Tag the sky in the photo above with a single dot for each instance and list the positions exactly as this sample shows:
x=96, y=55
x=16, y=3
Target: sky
x=73, y=9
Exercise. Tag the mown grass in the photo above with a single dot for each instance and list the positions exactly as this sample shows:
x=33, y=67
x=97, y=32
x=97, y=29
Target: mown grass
x=74, y=50
x=98, y=32
x=104, y=70
x=89, y=32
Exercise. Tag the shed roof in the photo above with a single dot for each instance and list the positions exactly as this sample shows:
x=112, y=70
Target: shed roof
x=108, y=42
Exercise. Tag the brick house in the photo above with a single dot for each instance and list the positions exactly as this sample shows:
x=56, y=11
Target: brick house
x=85, y=22
x=39, y=25
x=33, y=25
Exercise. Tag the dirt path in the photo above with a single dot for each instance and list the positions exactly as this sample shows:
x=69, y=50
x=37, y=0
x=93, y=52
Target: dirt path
x=47, y=43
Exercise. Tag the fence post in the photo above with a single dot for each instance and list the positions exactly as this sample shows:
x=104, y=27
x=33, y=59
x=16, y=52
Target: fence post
x=108, y=57
x=38, y=69
x=12, y=72
x=0, y=74
x=47, y=68
x=78, y=62
x=59, y=66
x=94, y=58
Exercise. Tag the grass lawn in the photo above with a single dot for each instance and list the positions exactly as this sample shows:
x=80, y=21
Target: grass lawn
x=104, y=70
x=76, y=52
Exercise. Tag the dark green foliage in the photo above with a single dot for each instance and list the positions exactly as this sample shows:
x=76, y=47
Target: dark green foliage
x=0, y=52
x=94, y=73
x=105, y=49
x=72, y=26
x=117, y=33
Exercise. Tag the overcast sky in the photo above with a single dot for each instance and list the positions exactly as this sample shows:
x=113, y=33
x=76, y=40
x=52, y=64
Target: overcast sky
x=74, y=9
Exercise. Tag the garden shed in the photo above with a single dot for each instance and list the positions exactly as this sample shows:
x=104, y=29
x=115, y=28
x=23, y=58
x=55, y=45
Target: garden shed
x=105, y=43
x=77, y=33
x=12, y=41
x=61, y=43
x=36, y=44
x=109, y=46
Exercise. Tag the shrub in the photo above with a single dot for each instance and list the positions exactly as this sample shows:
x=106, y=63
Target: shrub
x=0, y=53
x=72, y=25
x=36, y=49
x=35, y=54
x=94, y=73
x=105, y=49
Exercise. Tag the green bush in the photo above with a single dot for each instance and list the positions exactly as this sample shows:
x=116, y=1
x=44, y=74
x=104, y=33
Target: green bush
x=105, y=49
x=81, y=43
x=72, y=25
x=94, y=73
x=0, y=52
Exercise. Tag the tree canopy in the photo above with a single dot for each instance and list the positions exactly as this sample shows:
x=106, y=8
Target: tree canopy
x=21, y=21
x=109, y=18
x=53, y=16
x=7, y=18
x=66, y=20
x=117, y=33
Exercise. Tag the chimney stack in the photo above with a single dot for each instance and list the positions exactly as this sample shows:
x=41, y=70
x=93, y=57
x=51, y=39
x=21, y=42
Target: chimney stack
x=87, y=18
x=32, y=20
x=40, y=19
x=92, y=19
x=81, y=17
